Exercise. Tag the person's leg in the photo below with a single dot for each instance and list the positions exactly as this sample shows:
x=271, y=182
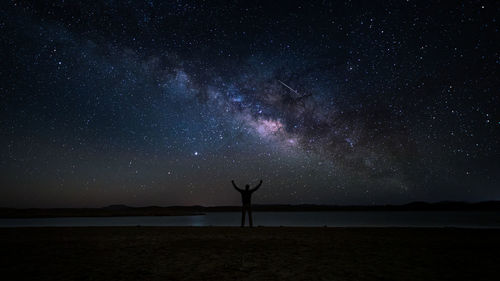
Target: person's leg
x=250, y=216
x=243, y=216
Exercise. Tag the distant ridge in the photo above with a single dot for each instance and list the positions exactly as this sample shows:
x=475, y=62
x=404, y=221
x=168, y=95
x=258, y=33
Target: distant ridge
x=109, y=211
x=413, y=206
x=124, y=210
x=117, y=207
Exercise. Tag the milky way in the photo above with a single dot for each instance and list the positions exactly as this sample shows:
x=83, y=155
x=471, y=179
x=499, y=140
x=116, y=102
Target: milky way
x=163, y=103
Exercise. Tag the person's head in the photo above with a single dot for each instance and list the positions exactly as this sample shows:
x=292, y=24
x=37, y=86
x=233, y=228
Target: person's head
x=247, y=187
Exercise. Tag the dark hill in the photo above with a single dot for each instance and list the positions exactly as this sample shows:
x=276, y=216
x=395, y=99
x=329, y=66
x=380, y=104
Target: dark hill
x=123, y=210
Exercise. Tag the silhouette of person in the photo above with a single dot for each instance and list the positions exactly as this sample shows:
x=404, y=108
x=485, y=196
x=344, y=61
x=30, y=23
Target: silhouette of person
x=246, y=198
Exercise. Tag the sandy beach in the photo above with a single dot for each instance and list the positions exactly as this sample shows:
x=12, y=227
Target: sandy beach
x=227, y=253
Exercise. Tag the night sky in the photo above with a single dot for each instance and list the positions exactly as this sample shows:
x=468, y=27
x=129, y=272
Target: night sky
x=165, y=102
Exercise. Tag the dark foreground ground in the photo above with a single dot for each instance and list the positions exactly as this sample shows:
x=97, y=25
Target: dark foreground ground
x=220, y=253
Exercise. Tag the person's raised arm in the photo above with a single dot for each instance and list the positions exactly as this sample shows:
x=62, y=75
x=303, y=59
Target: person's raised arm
x=234, y=185
x=257, y=187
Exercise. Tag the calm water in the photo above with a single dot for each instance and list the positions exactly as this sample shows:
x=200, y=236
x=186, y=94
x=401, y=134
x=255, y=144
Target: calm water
x=342, y=219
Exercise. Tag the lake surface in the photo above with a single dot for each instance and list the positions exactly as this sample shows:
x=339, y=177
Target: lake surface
x=332, y=219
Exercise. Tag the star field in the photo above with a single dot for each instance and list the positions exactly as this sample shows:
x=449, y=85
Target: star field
x=165, y=102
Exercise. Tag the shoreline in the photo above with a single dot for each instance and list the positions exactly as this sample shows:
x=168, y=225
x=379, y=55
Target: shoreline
x=472, y=220
x=42, y=215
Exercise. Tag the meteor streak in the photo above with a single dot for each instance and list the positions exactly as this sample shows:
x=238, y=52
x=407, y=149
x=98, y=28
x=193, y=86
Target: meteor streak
x=289, y=87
